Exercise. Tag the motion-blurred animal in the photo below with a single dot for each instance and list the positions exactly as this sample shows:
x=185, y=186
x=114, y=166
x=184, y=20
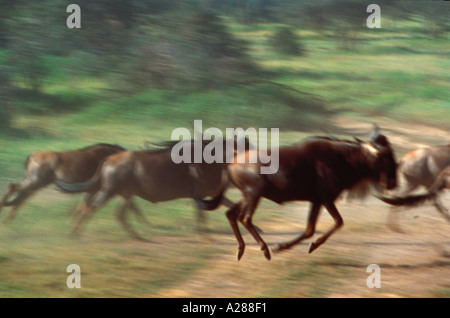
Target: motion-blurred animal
x=316, y=170
x=442, y=182
x=151, y=175
x=43, y=168
x=420, y=168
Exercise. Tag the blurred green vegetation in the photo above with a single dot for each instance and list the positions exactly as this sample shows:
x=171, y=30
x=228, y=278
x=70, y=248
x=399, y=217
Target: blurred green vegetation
x=285, y=41
x=177, y=60
x=138, y=69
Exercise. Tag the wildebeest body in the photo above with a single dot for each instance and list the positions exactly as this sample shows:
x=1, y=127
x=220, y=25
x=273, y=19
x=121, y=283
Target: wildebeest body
x=421, y=167
x=43, y=168
x=317, y=170
x=126, y=174
x=151, y=175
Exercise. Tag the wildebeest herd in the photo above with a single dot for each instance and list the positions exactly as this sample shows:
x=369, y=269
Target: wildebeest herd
x=317, y=169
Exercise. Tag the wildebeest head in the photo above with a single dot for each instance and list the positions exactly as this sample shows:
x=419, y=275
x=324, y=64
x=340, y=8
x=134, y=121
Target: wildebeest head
x=382, y=159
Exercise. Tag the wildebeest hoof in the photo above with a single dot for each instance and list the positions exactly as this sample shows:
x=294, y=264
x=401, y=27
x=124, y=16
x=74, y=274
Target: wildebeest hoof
x=312, y=247
x=240, y=253
x=266, y=253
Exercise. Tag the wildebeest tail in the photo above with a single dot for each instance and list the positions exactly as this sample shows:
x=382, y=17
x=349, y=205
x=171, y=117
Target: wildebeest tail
x=411, y=200
x=86, y=186
x=213, y=203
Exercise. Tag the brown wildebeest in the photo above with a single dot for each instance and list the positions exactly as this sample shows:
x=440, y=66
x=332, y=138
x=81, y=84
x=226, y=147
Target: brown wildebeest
x=316, y=170
x=442, y=182
x=419, y=168
x=151, y=175
x=44, y=167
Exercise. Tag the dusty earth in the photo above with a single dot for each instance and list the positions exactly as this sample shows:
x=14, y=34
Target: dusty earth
x=413, y=263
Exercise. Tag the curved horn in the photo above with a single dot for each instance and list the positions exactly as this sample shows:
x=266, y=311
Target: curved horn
x=375, y=133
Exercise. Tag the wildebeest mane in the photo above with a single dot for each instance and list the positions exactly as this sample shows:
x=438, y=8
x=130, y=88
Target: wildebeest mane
x=166, y=146
x=331, y=139
x=103, y=145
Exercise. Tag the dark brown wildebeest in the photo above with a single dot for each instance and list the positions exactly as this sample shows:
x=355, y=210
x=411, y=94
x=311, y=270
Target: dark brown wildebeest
x=418, y=168
x=151, y=175
x=316, y=170
x=44, y=167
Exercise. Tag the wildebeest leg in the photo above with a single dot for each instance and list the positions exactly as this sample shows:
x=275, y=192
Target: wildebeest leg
x=201, y=217
x=232, y=216
x=441, y=209
x=74, y=213
x=245, y=218
x=392, y=220
x=228, y=203
x=394, y=212
x=310, y=229
x=123, y=220
x=137, y=212
x=442, y=182
x=12, y=213
x=90, y=205
x=12, y=188
x=331, y=208
x=24, y=191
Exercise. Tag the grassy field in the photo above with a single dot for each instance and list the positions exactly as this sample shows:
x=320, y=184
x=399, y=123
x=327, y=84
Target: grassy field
x=392, y=73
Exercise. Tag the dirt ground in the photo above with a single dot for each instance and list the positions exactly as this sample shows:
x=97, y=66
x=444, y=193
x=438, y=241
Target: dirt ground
x=413, y=263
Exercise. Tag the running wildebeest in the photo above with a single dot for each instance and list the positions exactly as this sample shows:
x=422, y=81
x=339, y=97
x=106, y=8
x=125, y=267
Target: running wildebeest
x=316, y=170
x=151, y=175
x=44, y=167
x=419, y=168
x=422, y=166
x=442, y=182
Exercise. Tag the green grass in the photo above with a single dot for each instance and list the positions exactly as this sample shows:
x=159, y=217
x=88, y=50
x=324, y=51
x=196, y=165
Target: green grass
x=392, y=72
